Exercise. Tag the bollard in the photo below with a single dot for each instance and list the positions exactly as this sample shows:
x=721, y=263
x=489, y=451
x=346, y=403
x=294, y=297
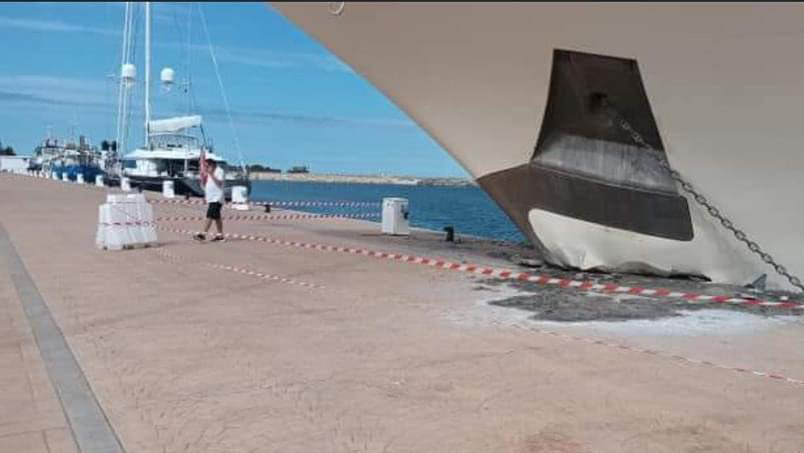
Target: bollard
x=168, y=189
x=79, y=178
x=64, y=177
x=99, y=180
x=450, y=233
x=125, y=184
x=54, y=175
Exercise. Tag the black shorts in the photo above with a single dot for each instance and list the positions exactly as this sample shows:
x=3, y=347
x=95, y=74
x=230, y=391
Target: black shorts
x=214, y=211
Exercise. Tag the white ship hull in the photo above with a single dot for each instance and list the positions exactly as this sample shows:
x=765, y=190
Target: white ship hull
x=722, y=86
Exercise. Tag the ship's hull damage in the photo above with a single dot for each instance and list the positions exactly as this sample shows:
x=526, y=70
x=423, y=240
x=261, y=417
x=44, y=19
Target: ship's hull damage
x=522, y=96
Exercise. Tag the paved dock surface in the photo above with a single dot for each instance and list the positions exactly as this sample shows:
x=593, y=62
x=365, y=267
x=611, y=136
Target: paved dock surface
x=304, y=350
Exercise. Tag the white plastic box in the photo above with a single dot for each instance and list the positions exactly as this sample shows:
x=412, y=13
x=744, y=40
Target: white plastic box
x=125, y=221
x=395, y=218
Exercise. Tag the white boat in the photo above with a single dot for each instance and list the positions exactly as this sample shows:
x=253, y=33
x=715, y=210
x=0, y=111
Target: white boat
x=567, y=114
x=173, y=146
x=66, y=157
x=172, y=154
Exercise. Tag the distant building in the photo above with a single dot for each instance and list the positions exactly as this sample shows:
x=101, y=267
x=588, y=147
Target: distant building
x=14, y=163
x=299, y=169
x=257, y=168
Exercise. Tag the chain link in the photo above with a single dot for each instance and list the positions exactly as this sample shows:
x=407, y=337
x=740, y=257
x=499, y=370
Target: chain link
x=701, y=199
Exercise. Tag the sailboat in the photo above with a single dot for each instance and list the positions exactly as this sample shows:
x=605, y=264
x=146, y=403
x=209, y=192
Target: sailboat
x=653, y=138
x=172, y=146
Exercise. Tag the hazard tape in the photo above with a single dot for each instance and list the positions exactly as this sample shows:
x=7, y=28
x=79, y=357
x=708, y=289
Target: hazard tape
x=276, y=203
x=508, y=274
x=676, y=357
x=241, y=218
x=239, y=270
x=511, y=274
x=271, y=217
x=135, y=223
x=541, y=279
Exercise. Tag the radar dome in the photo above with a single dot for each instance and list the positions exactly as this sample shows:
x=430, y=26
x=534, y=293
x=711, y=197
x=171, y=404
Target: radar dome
x=128, y=73
x=167, y=76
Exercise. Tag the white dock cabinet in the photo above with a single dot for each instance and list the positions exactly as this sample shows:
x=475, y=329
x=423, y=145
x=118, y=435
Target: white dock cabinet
x=395, y=216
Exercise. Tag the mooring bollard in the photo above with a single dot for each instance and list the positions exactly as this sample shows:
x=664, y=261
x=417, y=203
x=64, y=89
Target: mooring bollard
x=79, y=178
x=450, y=233
x=168, y=189
x=125, y=184
x=239, y=199
x=99, y=180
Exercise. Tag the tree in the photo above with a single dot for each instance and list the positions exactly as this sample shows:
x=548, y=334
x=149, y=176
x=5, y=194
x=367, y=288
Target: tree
x=7, y=151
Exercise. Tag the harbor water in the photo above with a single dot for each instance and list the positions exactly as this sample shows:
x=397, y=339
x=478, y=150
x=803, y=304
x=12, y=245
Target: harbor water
x=466, y=208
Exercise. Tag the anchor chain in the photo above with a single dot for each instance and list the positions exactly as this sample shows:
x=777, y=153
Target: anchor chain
x=702, y=200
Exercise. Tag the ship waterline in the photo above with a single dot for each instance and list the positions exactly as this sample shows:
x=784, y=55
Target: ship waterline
x=513, y=92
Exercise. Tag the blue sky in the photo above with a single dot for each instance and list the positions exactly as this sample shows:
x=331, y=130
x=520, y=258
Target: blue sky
x=293, y=102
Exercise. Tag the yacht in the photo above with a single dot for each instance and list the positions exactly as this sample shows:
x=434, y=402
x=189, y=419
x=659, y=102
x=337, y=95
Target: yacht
x=173, y=146
x=660, y=138
x=172, y=154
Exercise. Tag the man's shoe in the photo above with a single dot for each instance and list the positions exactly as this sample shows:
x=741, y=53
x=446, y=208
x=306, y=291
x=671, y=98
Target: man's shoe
x=200, y=237
x=218, y=238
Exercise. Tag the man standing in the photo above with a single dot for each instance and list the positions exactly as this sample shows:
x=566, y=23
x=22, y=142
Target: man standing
x=213, y=195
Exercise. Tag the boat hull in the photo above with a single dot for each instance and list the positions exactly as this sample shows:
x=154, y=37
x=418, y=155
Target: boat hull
x=88, y=171
x=722, y=89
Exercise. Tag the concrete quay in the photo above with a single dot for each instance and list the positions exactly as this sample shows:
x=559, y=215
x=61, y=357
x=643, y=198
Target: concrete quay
x=249, y=346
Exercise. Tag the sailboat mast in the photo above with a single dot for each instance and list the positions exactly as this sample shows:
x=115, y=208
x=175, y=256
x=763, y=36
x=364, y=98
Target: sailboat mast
x=147, y=70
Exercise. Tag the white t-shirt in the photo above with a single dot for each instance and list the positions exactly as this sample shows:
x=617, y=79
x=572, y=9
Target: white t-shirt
x=213, y=193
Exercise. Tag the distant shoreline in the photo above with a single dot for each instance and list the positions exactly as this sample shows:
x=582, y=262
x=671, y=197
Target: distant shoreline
x=361, y=179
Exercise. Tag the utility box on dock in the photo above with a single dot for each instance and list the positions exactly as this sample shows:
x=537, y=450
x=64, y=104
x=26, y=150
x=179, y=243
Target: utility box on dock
x=395, y=216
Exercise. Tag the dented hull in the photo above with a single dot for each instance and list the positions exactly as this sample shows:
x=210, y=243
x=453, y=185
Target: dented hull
x=513, y=93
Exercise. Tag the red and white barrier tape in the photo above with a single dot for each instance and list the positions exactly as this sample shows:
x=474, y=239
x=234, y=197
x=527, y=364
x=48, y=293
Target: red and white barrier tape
x=241, y=218
x=251, y=273
x=623, y=347
x=271, y=217
x=508, y=274
x=676, y=357
x=277, y=203
x=133, y=223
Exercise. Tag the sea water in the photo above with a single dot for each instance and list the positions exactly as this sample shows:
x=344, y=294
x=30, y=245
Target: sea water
x=468, y=209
